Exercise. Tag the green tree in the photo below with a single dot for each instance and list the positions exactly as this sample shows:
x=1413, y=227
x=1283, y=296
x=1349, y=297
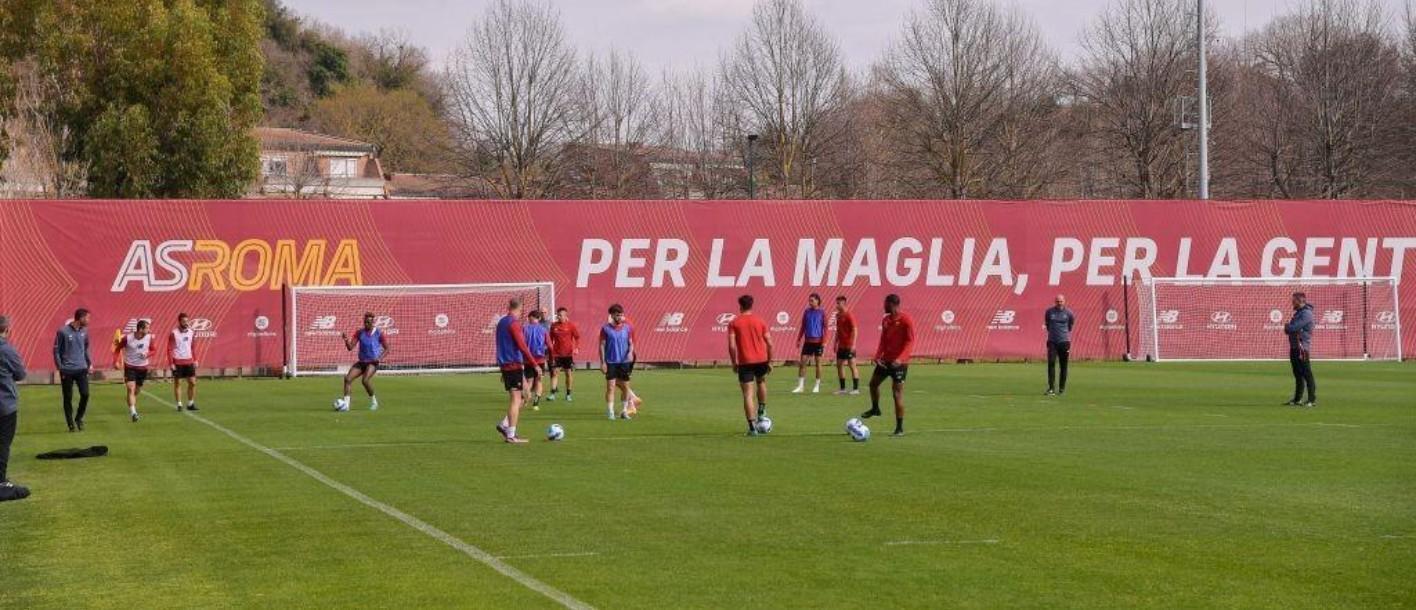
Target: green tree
x=162, y=94
x=400, y=123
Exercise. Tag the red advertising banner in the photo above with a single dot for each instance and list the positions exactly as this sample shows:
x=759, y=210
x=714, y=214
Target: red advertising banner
x=976, y=275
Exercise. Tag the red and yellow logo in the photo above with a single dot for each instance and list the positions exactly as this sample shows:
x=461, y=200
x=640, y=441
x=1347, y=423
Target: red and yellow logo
x=252, y=264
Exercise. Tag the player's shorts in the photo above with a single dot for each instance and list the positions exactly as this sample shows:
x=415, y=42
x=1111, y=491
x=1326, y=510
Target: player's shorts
x=619, y=372
x=532, y=372
x=512, y=379
x=363, y=367
x=845, y=354
x=184, y=371
x=749, y=373
x=896, y=373
x=812, y=348
x=564, y=363
x=135, y=375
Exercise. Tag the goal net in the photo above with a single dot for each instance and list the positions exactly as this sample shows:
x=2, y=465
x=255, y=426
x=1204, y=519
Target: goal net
x=430, y=329
x=1243, y=319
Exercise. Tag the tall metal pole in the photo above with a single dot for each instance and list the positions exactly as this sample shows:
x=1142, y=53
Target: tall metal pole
x=1204, y=101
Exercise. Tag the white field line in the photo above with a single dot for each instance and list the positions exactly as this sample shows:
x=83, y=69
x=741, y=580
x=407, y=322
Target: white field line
x=546, y=555
x=362, y=445
x=477, y=554
x=939, y=542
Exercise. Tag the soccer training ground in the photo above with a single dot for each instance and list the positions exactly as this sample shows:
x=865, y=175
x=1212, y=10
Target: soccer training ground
x=1174, y=485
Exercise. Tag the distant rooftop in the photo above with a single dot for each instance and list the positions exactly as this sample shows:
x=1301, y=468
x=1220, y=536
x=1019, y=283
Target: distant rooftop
x=287, y=139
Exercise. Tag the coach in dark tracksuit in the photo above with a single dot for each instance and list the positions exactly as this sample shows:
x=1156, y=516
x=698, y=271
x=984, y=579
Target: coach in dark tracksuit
x=1300, y=343
x=12, y=369
x=71, y=359
x=1058, y=320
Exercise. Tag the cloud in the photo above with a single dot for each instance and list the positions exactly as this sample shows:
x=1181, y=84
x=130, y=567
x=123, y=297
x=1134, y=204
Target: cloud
x=716, y=9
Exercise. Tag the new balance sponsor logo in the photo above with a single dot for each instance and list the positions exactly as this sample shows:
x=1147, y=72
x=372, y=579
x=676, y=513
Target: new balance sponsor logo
x=1221, y=320
x=1332, y=319
x=491, y=327
x=1003, y=319
x=1168, y=319
x=672, y=322
x=946, y=322
x=322, y=326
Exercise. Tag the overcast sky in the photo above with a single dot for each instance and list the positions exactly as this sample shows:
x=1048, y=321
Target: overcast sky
x=678, y=33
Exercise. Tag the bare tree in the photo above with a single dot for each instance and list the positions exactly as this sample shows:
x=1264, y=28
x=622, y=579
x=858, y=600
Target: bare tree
x=1137, y=71
x=1327, y=91
x=970, y=93
x=698, y=129
x=512, y=102
x=623, y=115
x=786, y=75
x=37, y=139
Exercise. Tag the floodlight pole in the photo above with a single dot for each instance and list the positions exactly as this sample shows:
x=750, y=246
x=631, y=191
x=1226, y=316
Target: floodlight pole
x=1204, y=187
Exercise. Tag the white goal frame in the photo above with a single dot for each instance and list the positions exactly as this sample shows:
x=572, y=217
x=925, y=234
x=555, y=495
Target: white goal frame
x=294, y=334
x=1154, y=329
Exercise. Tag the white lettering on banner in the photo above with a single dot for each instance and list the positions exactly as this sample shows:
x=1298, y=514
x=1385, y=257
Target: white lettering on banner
x=818, y=270
x=907, y=261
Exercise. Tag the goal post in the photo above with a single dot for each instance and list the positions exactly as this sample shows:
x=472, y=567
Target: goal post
x=431, y=328
x=1243, y=319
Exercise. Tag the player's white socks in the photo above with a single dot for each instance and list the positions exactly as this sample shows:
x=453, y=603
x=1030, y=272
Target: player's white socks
x=817, y=389
x=132, y=410
x=610, y=409
x=345, y=400
x=505, y=423
x=511, y=432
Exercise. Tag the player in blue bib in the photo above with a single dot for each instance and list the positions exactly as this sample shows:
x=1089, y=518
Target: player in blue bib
x=617, y=363
x=373, y=348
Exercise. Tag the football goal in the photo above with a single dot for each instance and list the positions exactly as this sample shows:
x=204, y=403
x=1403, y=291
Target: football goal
x=430, y=328
x=1243, y=319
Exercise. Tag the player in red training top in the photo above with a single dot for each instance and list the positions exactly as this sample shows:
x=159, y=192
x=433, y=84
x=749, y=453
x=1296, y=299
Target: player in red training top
x=184, y=363
x=892, y=360
x=750, y=352
x=845, y=348
x=565, y=346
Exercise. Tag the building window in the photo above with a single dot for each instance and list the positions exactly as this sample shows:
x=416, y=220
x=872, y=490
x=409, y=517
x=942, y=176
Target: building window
x=343, y=168
x=275, y=167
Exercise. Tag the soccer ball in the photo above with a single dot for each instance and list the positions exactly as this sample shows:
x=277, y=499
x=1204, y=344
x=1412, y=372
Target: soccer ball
x=763, y=425
x=860, y=433
x=853, y=423
x=555, y=432
x=340, y=405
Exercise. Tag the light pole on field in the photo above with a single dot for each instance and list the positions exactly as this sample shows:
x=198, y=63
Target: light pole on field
x=751, y=175
x=1204, y=186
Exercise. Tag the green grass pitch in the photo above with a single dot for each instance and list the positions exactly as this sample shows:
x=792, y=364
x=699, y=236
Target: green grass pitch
x=1175, y=485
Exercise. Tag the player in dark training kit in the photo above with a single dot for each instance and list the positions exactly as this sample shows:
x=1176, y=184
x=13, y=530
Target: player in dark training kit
x=1300, y=343
x=892, y=360
x=373, y=348
x=512, y=356
x=750, y=352
x=1058, y=320
x=812, y=339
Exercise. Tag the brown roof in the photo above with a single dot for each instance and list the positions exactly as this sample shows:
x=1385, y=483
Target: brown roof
x=434, y=186
x=284, y=138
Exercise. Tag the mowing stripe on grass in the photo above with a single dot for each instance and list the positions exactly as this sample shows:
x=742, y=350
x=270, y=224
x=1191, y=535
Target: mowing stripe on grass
x=933, y=542
x=477, y=554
